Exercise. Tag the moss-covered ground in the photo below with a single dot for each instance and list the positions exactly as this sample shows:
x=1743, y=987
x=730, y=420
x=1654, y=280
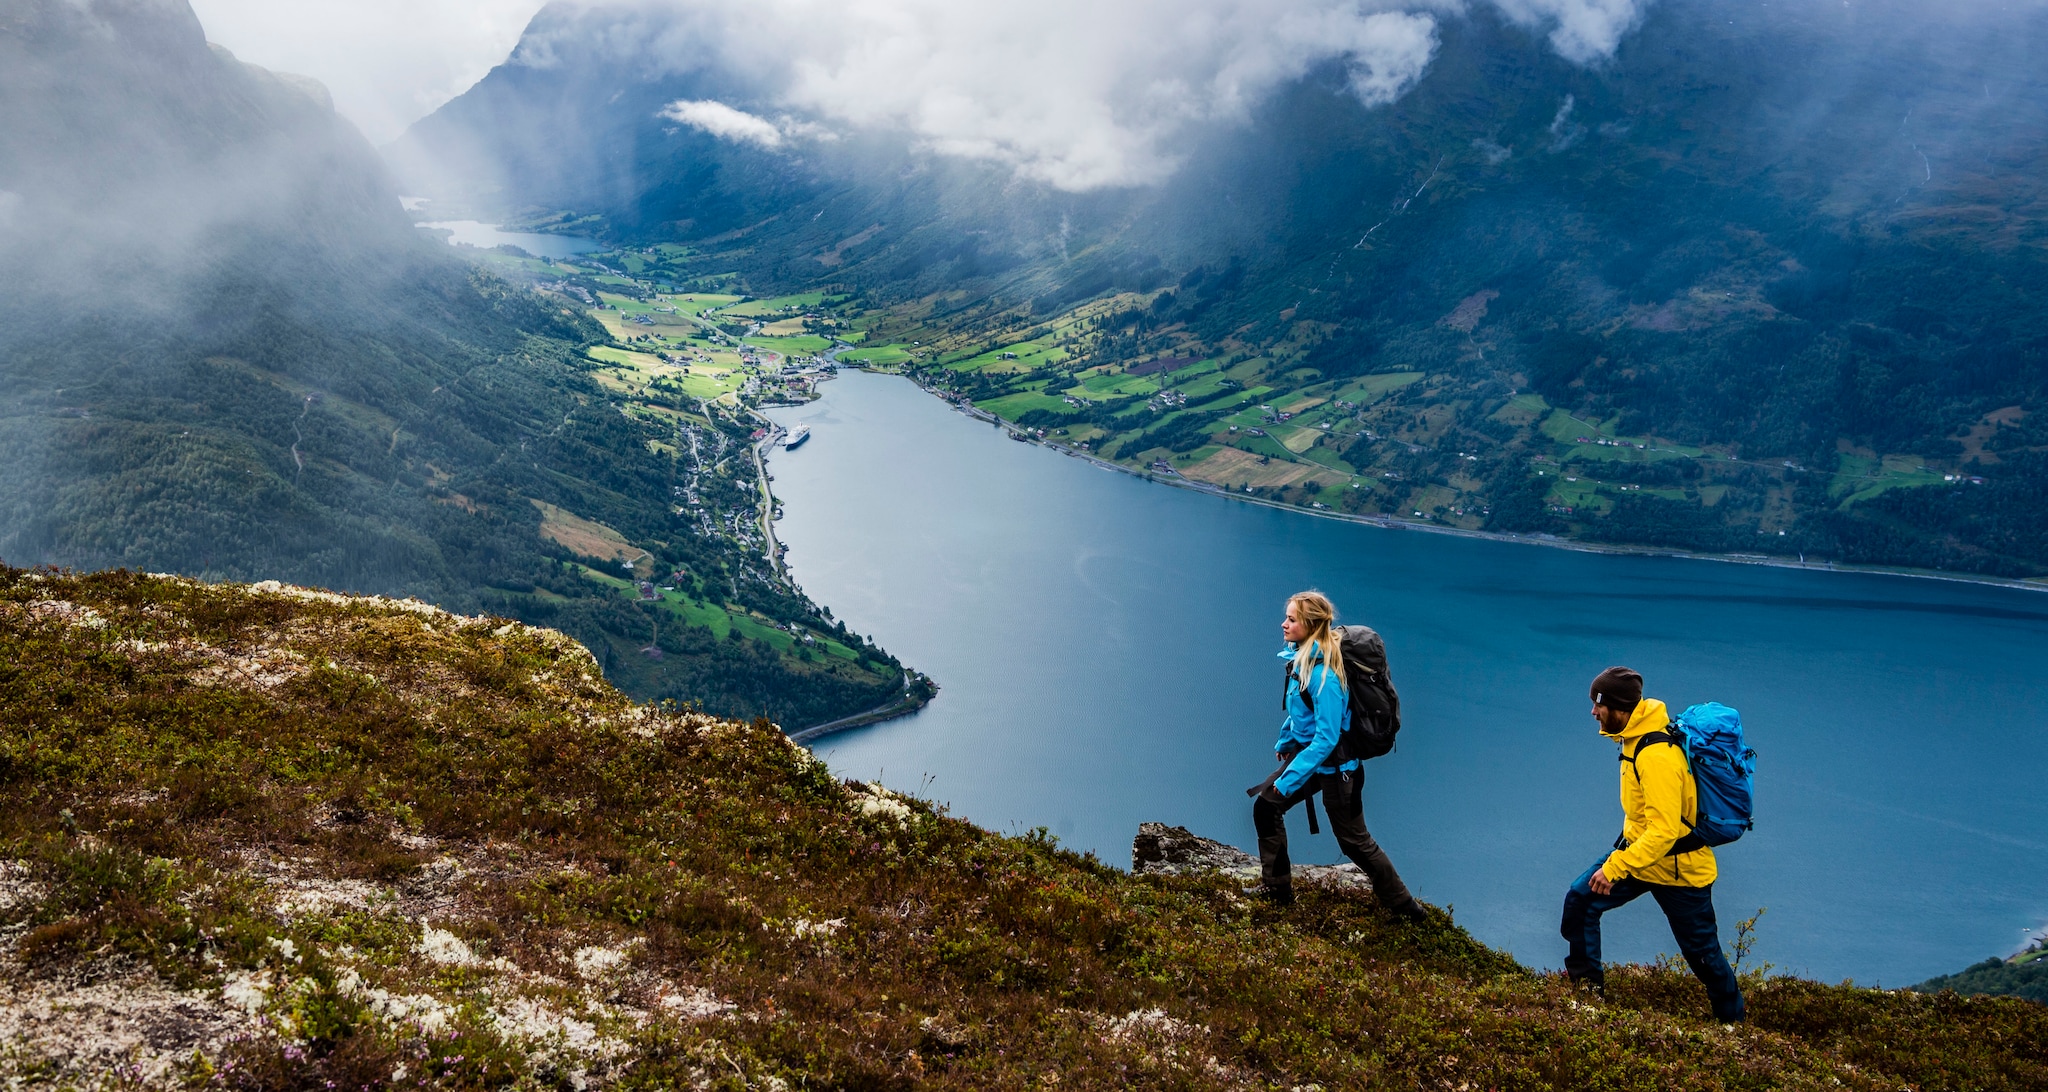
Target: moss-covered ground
x=401, y=848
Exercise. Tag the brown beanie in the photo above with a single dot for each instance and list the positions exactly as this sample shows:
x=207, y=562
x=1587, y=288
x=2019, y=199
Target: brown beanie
x=1618, y=688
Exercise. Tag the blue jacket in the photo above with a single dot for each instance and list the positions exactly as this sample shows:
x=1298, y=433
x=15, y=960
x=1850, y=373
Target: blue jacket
x=1315, y=734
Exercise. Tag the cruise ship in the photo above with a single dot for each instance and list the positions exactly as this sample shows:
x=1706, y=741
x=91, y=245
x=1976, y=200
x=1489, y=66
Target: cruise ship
x=797, y=436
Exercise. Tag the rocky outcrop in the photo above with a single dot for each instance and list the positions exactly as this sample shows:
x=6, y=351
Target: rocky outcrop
x=1161, y=850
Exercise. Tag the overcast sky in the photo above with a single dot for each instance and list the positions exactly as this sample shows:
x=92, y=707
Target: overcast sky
x=388, y=62
x=1078, y=93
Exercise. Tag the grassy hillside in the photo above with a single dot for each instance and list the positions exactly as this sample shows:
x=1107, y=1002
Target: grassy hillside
x=2024, y=975
x=264, y=837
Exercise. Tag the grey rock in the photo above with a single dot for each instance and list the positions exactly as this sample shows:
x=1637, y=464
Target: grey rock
x=1161, y=850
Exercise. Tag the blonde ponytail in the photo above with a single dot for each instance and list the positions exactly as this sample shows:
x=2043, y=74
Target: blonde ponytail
x=1314, y=610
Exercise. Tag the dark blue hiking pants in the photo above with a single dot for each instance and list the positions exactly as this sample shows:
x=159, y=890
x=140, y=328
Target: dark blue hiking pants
x=1690, y=910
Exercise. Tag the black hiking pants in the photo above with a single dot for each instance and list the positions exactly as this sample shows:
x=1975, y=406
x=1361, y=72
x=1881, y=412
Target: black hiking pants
x=1343, y=801
x=1690, y=910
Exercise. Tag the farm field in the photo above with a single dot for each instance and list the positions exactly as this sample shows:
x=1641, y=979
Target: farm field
x=720, y=619
x=800, y=345
x=882, y=356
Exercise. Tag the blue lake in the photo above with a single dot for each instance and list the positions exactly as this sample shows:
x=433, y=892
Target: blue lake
x=1105, y=648
x=484, y=236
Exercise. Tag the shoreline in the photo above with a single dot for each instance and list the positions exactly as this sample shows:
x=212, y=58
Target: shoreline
x=1390, y=523
x=902, y=705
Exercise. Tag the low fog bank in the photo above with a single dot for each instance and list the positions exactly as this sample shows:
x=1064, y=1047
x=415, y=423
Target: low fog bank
x=216, y=323
x=130, y=148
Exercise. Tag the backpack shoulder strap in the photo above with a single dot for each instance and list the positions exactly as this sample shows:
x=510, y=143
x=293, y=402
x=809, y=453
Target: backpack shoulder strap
x=1650, y=739
x=1690, y=840
x=1288, y=681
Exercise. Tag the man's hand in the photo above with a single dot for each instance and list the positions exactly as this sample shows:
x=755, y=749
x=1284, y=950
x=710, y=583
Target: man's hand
x=1600, y=884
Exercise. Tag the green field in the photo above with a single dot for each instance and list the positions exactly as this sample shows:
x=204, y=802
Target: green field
x=696, y=303
x=803, y=345
x=1011, y=406
x=1860, y=477
x=1372, y=388
x=625, y=358
x=719, y=620
x=1109, y=385
x=881, y=355
x=1029, y=355
x=762, y=308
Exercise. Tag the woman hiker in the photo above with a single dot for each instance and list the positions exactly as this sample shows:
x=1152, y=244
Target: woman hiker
x=1315, y=664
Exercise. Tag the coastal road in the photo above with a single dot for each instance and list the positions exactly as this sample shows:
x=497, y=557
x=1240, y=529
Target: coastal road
x=768, y=498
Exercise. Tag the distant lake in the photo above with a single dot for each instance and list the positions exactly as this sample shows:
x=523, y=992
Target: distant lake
x=485, y=236
x=1105, y=647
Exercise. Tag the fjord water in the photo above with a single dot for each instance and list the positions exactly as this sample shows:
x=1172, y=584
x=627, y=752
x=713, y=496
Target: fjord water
x=485, y=236
x=1106, y=652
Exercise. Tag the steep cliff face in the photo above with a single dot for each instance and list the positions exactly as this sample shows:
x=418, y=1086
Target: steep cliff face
x=271, y=837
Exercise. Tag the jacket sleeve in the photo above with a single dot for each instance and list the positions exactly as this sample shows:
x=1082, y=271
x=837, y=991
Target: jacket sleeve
x=1663, y=772
x=1332, y=710
x=1281, y=745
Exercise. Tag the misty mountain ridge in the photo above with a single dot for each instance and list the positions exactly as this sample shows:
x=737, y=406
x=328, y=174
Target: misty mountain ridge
x=1795, y=233
x=226, y=351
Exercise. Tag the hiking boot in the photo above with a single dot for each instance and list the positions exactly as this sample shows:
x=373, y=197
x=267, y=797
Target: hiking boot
x=1410, y=911
x=1278, y=896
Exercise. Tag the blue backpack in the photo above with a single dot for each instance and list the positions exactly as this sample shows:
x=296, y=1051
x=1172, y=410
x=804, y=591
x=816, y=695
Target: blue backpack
x=1723, y=770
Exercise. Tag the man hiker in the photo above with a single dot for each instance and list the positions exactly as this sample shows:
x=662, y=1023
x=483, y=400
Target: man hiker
x=1657, y=853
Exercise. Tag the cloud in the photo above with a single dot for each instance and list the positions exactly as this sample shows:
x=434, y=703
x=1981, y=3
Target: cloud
x=724, y=122
x=1079, y=94
x=387, y=62
x=1582, y=31
x=1563, y=131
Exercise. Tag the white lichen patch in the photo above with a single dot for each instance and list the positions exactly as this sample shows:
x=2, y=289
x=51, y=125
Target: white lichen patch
x=874, y=801
x=61, y=610
x=547, y=1031
x=16, y=888
x=695, y=1003
x=105, y=1019
x=264, y=668
x=314, y=595
x=248, y=991
x=804, y=928
x=426, y=1013
x=443, y=947
x=1146, y=1024
x=596, y=961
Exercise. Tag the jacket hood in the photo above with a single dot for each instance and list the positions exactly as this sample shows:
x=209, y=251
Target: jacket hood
x=1650, y=716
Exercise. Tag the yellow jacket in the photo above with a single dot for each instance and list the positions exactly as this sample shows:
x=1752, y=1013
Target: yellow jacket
x=1659, y=802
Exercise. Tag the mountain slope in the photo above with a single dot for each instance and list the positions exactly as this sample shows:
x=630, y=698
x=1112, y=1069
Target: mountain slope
x=267, y=837
x=1746, y=241
x=225, y=350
